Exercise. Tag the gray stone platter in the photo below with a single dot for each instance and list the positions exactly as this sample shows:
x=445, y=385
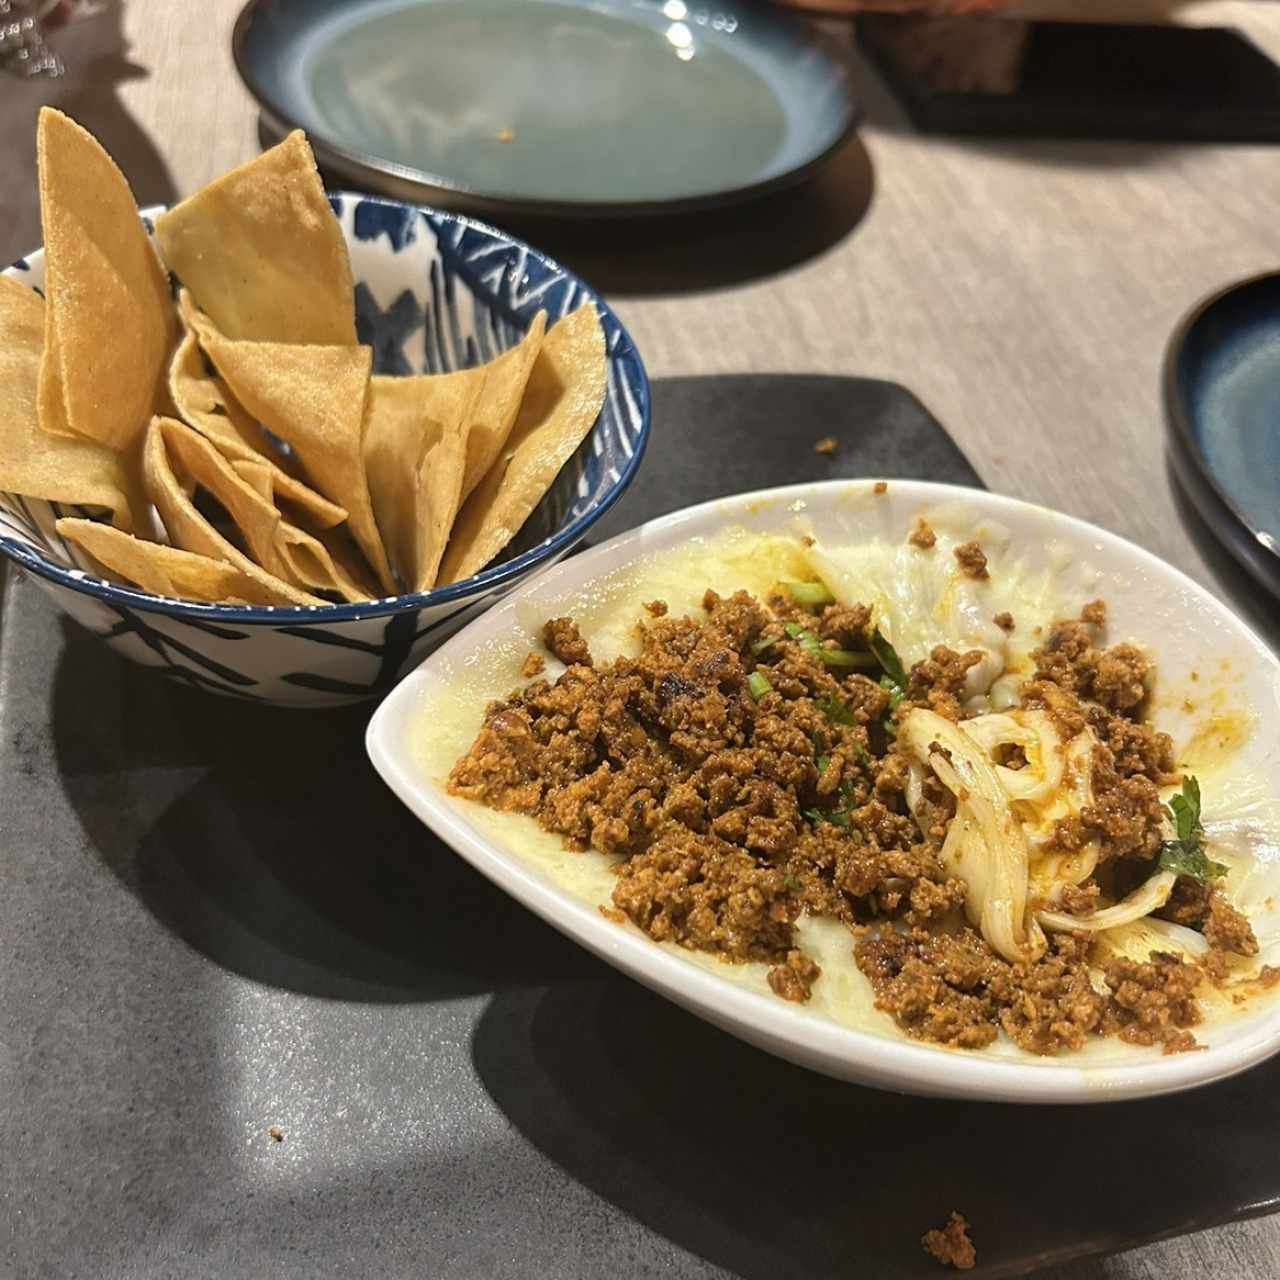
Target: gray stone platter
x=216, y=920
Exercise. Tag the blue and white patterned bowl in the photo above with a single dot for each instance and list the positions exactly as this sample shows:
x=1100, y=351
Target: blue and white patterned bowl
x=434, y=292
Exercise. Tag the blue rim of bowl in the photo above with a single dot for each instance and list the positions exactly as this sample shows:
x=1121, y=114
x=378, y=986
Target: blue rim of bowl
x=360, y=165
x=82, y=581
x=1215, y=505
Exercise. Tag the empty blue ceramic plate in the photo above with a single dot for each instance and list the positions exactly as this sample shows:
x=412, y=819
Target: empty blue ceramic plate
x=1222, y=395
x=582, y=107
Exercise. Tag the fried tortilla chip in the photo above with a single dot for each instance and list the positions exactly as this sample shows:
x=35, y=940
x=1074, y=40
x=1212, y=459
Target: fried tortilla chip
x=262, y=253
x=277, y=546
x=415, y=454
x=164, y=570
x=53, y=467
x=313, y=399
x=109, y=324
x=561, y=402
x=190, y=531
x=493, y=412
x=203, y=401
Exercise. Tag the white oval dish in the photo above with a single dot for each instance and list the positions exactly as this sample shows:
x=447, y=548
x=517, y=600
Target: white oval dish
x=1184, y=627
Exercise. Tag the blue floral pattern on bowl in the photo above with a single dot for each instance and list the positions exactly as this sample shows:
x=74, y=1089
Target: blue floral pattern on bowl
x=435, y=292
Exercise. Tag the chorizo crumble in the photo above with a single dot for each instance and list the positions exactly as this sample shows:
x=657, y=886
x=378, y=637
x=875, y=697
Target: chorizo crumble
x=922, y=535
x=972, y=559
x=744, y=769
x=951, y=1244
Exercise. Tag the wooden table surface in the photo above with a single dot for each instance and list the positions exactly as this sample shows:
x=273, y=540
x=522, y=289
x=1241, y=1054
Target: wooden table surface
x=1024, y=291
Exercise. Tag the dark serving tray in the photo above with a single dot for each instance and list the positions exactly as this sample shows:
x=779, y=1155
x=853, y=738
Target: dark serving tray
x=215, y=919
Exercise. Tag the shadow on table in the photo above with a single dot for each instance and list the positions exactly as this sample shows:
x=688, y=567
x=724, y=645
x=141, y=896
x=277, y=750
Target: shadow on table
x=721, y=247
x=97, y=57
x=767, y=1170
x=1236, y=584
x=264, y=839
x=97, y=65
x=708, y=250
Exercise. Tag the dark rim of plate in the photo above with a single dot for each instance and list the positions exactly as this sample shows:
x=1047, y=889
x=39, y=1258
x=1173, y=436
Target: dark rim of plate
x=404, y=182
x=1215, y=504
x=481, y=584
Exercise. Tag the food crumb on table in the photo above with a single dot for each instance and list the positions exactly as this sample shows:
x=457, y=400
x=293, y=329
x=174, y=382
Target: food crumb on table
x=922, y=534
x=275, y=1133
x=534, y=665
x=972, y=560
x=951, y=1244
x=827, y=445
x=880, y=487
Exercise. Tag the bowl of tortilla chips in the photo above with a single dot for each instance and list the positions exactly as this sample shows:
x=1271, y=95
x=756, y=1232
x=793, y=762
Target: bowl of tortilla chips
x=279, y=443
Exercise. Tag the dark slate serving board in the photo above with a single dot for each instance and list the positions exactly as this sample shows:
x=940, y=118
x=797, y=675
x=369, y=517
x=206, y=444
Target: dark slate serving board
x=215, y=919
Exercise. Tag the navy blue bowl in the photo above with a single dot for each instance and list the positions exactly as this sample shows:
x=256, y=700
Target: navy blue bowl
x=434, y=292
x=1221, y=392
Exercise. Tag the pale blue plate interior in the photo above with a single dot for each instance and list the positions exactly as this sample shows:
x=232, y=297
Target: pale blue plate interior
x=1229, y=373
x=551, y=102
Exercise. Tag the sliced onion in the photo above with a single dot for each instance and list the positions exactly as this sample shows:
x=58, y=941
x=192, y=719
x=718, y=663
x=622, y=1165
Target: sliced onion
x=984, y=846
x=1148, y=897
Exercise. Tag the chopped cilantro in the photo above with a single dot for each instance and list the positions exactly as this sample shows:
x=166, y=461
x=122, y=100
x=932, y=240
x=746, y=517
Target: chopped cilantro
x=792, y=883
x=1185, y=856
x=758, y=685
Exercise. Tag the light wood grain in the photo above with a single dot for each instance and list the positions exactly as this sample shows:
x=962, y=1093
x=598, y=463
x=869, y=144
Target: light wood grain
x=1024, y=292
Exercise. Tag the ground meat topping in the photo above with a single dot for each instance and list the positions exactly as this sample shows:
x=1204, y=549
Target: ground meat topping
x=950, y=988
x=1226, y=929
x=973, y=560
x=938, y=681
x=741, y=782
x=922, y=535
x=794, y=978
x=561, y=637
x=1154, y=1002
x=951, y=1244
x=1004, y=620
x=1115, y=678
x=534, y=665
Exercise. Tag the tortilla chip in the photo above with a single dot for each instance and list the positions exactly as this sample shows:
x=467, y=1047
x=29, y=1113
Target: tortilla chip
x=204, y=402
x=164, y=570
x=53, y=467
x=262, y=253
x=561, y=403
x=190, y=531
x=313, y=399
x=109, y=325
x=415, y=453
x=276, y=545
x=494, y=410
